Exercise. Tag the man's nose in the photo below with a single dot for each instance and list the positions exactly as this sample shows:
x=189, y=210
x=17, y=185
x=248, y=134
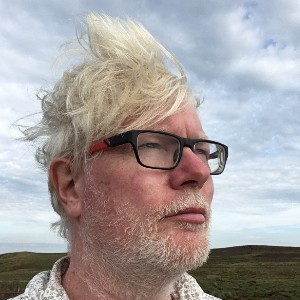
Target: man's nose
x=191, y=170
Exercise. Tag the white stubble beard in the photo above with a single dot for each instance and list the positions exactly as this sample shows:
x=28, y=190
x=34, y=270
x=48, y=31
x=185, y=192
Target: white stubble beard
x=141, y=248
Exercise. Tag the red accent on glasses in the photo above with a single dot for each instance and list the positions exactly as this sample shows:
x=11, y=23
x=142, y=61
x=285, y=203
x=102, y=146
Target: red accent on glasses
x=102, y=145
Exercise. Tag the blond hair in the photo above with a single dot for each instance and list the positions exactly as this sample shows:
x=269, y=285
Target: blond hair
x=123, y=83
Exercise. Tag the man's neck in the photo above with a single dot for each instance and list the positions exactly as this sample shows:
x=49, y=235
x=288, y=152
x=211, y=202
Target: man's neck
x=81, y=281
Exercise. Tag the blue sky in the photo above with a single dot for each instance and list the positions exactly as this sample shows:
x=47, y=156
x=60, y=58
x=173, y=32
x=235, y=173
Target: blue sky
x=242, y=57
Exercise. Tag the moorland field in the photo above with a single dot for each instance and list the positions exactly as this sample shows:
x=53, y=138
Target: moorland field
x=245, y=272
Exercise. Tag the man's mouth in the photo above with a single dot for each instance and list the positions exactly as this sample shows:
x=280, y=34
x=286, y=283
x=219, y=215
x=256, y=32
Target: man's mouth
x=189, y=215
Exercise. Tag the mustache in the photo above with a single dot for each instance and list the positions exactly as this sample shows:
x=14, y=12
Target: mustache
x=188, y=200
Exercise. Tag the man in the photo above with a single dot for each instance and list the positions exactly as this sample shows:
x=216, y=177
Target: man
x=129, y=172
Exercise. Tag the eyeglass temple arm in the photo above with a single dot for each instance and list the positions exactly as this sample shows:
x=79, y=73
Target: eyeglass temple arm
x=214, y=155
x=102, y=145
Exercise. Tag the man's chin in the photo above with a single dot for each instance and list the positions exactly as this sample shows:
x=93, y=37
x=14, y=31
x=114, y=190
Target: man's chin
x=186, y=251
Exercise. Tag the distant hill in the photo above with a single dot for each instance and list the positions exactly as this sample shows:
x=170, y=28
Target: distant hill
x=16, y=269
x=259, y=252
x=252, y=272
x=29, y=261
x=244, y=272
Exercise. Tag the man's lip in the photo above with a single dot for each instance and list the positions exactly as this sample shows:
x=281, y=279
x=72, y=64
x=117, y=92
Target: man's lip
x=189, y=215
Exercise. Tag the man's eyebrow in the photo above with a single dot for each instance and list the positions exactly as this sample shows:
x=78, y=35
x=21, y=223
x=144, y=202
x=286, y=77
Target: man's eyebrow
x=200, y=136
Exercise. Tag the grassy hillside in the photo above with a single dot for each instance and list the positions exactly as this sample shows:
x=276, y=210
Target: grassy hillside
x=16, y=269
x=252, y=272
x=247, y=272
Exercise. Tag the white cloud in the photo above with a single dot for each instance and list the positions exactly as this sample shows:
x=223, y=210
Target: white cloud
x=256, y=217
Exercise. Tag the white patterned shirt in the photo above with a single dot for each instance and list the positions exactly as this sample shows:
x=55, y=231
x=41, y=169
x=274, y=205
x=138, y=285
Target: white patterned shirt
x=47, y=286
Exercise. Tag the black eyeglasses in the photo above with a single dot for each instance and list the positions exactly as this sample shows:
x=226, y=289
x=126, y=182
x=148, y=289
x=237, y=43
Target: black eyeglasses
x=162, y=150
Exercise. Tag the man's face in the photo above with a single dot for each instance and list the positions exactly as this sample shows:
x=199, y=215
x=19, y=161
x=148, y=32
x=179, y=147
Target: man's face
x=134, y=216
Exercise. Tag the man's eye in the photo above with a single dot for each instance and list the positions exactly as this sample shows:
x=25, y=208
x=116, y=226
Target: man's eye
x=150, y=146
x=200, y=151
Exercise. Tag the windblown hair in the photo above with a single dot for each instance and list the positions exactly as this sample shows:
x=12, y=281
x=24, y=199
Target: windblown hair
x=123, y=83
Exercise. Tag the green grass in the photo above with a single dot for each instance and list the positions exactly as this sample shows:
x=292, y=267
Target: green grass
x=16, y=269
x=252, y=272
x=248, y=272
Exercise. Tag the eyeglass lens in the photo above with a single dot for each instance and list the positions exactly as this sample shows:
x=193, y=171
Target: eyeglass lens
x=159, y=150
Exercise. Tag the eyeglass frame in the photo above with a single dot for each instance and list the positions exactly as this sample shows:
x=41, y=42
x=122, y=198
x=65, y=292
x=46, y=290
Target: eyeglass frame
x=131, y=137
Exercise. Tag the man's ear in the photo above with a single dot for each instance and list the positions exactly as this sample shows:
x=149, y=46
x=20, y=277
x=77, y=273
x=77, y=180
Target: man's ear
x=64, y=181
